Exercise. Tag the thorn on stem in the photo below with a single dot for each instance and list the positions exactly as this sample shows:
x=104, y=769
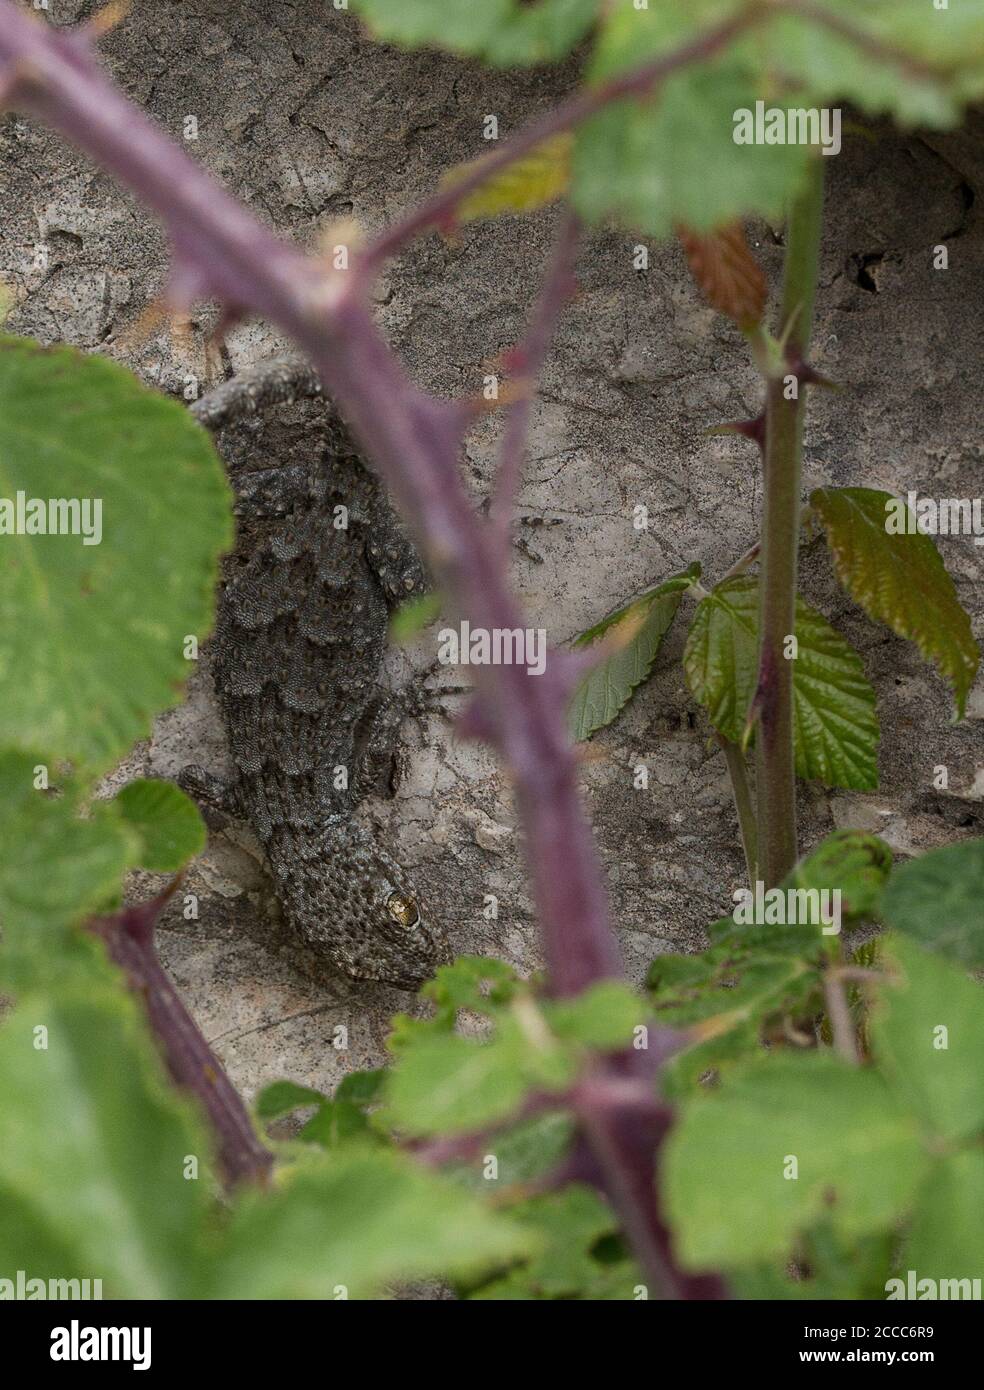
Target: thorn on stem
x=751, y=429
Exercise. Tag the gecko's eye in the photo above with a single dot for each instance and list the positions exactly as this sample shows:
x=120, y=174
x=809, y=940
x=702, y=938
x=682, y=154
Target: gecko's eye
x=403, y=910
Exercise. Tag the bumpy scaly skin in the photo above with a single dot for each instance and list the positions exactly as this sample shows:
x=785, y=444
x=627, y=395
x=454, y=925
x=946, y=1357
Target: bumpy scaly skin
x=299, y=637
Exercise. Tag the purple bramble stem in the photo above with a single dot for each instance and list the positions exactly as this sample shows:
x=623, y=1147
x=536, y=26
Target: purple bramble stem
x=194, y=1067
x=414, y=441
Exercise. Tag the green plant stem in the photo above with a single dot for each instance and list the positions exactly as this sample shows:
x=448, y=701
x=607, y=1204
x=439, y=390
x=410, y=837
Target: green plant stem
x=775, y=760
x=747, y=825
x=839, y=1015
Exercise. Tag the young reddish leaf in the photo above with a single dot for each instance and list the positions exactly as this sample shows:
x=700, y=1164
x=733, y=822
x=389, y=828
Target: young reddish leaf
x=726, y=271
x=899, y=579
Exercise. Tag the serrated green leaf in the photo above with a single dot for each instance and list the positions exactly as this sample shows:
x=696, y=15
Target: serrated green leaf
x=928, y=1035
x=938, y=900
x=92, y=636
x=167, y=822
x=346, y=1225
x=835, y=727
x=93, y=1164
x=642, y=624
x=728, y=1195
x=900, y=580
x=506, y=33
x=728, y=987
x=946, y=1239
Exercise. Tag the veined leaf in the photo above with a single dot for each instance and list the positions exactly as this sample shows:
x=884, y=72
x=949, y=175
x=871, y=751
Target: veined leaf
x=726, y=271
x=784, y=1141
x=834, y=722
x=636, y=632
x=92, y=636
x=899, y=579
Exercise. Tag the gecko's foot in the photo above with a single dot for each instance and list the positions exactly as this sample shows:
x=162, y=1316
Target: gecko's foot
x=215, y=798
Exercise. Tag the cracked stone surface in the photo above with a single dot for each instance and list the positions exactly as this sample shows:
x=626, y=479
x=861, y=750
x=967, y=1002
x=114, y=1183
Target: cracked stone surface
x=309, y=122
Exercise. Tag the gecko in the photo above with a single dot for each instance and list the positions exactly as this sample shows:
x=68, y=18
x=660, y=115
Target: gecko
x=301, y=627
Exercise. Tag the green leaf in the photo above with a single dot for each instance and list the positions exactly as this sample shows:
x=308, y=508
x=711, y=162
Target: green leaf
x=858, y=1154
x=945, y=1236
x=728, y=986
x=92, y=636
x=928, y=1035
x=854, y=864
x=362, y=1088
x=673, y=159
x=639, y=628
x=938, y=900
x=282, y=1097
x=899, y=580
x=573, y=1226
x=346, y=1225
x=55, y=868
x=754, y=977
x=603, y=1016
x=827, y=1267
x=94, y=1156
x=834, y=722
x=444, y=1083
x=506, y=33
x=167, y=822
x=650, y=164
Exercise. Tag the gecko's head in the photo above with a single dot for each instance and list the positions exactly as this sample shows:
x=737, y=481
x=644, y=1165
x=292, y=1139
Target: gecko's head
x=409, y=948
x=399, y=946
x=355, y=905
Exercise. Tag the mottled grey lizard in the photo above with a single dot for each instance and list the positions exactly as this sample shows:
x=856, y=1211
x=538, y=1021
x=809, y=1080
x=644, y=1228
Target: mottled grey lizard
x=300, y=633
